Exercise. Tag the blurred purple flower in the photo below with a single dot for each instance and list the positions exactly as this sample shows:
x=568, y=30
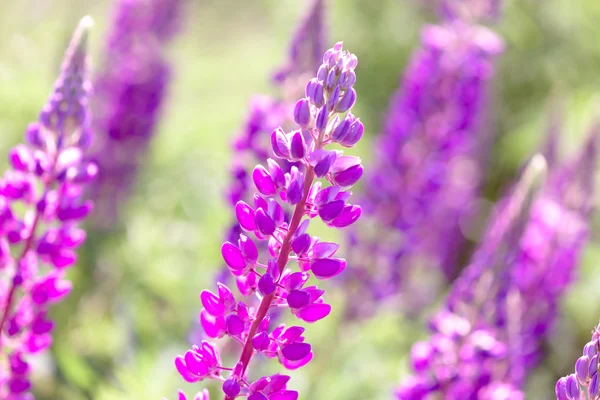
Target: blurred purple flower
x=273, y=283
x=512, y=288
x=427, y=168
x=40, y=207
x=130, y=93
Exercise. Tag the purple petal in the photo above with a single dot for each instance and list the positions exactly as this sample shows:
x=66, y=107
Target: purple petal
x=195, y=364
x=263, y=181
x=233, y=256
x=346, y=102
x=261, y=341
x=211, y=303
x=245, y=216
x=331, y=210
x=277, y=383
x=327, y=267
x=266, y=285
x=235, y=325
x=276, y=173
x=302, y=114
x=347, y=217
x=314, y=312
x=298, y=298
x=301, y=243
x=348, y=177
x=231, y=387
x=264, y=223
x=284, y=395
x=296, y=351
x=279, y=143
x=324, y=250
x=297, y=146
x=248, y=249
x=184, y=371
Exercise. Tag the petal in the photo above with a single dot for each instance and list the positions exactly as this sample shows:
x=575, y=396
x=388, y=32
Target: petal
x=235, y=325
x=324, y=250
x=184, y=371
x=245, y=216
x=284, y=395
x=347, y=217
x=296, y=351
x=331, y=210
x=233, y=256
x=195, y=364
x=248, y=249
x=263, y=181
x=277, y=383
x=211, y=303
x=314, y=312
x=326, y=268
x=298, y=298
x=264, y=223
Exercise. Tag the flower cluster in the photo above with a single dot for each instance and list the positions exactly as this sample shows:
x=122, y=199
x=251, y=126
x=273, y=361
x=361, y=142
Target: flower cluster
x=506, y=301
x=427, y=167
x=324, y=118
x=267, y=113
x=40, y=206
x=583, y=384
x=129, y=94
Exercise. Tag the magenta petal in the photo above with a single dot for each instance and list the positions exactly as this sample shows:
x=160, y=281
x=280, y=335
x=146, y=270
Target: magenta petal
x=258, y=396
x=324, y=250
x=277, y=383
x=245, y=216
x=211, y=303
x=263, y=181
x=261, y=341
x=291, y=365
x=248, y=249
x=348, y=216
x=264, y=223
x=184, y=371
x=331, y=210
x=284, y=395
x=235, y=325
x=298, y=298
x=296, y=351
x=233, y=256
x=349, y=177
x=327, y=267
x=209, y=324
x=195, y=364
x=314, y=312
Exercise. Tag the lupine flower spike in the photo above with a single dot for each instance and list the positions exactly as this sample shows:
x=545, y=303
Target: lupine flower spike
x=427, y=171
x=458, y=360
x=499, y=312
x=323, y=118
x=583, y=384
x=37, y=245
x=130, y=92
x=267, y=113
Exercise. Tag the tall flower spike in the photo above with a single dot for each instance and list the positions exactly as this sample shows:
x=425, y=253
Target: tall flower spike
x=513, y=300
x=37, y=245
x=288, y=241
x=307, y=45
x=459, y=333
x=266, y=114
x=583, y=384
x=427, y=170
x=130, y=92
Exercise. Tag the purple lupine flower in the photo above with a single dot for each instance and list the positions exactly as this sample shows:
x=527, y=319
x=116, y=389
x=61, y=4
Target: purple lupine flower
x=266, y=114
x=427, y=167
x=510, y=293
x=277, y=286
x=583, y=384
x=307, y=45
x=460, y=358
x=130, y=93
x=38, y=243
x=471, y=10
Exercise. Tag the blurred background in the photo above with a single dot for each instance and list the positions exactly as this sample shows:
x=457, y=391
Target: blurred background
x=136, y=300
